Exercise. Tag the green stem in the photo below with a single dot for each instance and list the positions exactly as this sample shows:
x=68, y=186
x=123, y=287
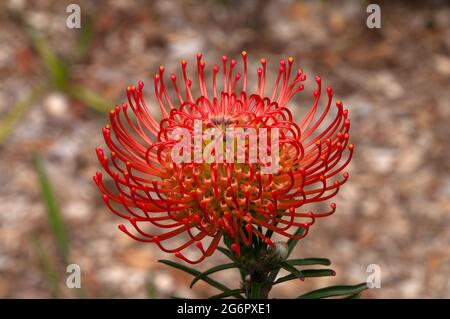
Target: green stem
x=255, y=290
x=256, y=265
x=258, y=289
x=255, y=276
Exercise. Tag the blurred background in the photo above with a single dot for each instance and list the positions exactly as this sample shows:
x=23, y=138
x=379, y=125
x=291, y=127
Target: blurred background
x=57, y=85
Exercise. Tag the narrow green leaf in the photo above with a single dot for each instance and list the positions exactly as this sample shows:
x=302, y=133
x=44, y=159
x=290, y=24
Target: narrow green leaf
x=231, y=293
x=194, y=272
x=318, y=272
x=213, y=270
x=291, y=244
x=309, y=262
x=333, y=291
x=85, y=36
x=53, y=213
x=46, y=265
x=57, y=69
x=291, y=269
x=307, y=273
x=89, y=98
x=354, y=296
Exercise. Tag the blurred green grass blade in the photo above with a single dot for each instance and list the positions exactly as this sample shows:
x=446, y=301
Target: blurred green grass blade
x=46, y=265
x=150, y=289
x=213, y=270
x=56, y=67
x=231, y=293
x=53, y=213
x=17, y=111
x=334, y=291
x=90, y=98
x=309, y=262
x=85, y=36
x=307, y=273
x=194, y=272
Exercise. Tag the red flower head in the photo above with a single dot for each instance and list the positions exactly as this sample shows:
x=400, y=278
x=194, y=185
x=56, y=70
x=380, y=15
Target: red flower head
x=177, y=203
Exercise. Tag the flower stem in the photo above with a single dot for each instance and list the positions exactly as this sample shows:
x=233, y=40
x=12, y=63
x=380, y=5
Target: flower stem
x=256, y=284
x=258, y=290
x=257, y=265
x=255, y=291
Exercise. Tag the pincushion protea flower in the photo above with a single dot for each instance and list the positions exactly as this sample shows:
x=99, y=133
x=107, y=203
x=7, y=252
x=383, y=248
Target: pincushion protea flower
x=197, y=203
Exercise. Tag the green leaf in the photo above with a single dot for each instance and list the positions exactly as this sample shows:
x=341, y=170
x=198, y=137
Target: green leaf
x=194, y=272
x=334, y=291
x=213, y=270
x=291, y=244
x=354, y=296
x=53, y=213
x=297, y=273
x=231, y=293
x=307, y=273
x=309, y=262
x=85, y=36
x=58, y=70
x=46, y=265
